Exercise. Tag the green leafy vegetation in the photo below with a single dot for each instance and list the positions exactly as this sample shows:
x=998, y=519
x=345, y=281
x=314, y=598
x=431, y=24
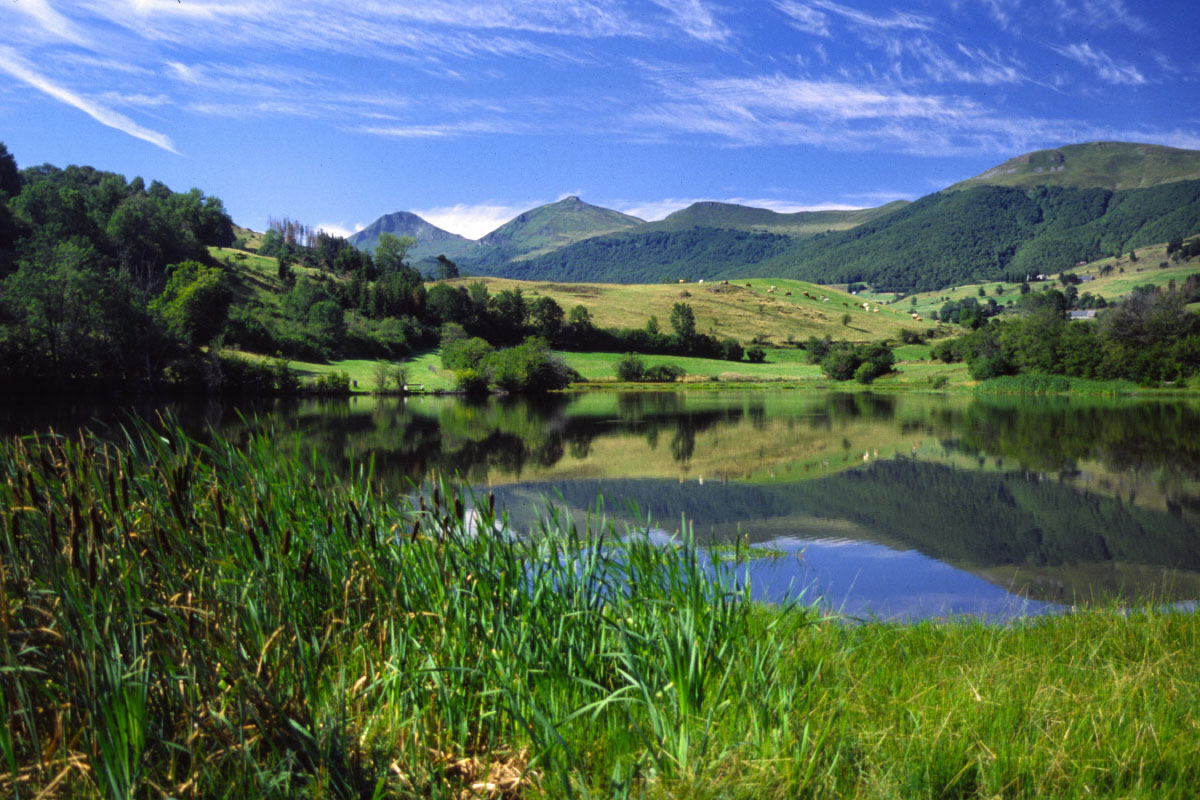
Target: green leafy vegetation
x=1148, y=338
x=86, y=295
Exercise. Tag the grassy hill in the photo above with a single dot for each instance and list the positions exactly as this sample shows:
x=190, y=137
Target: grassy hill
x=554, y=225
x=1105, y=165
x=740, y=309
x=761, y=220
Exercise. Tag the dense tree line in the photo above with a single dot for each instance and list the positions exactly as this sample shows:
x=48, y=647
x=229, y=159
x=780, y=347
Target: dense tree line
x=87, y=288
x=1149, y=337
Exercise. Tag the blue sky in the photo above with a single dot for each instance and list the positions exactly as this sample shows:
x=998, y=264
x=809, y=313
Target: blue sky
x=467, y=113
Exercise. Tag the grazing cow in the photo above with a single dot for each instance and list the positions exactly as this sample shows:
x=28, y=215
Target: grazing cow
x=681, y=280
x=700, y=281
x=847, y=305
x=787, y=294
x=806, y=294
x=724, y=283
x=748, y=286
x=866, y=305
x=771, y=290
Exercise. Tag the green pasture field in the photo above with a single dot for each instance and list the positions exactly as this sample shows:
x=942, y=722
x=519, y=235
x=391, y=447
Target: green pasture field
x=782, y=366
x=741, y=309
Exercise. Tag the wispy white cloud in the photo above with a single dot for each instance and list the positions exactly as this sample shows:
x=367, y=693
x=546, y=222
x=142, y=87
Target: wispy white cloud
x=1108, y=68
x=135, y=100
x=1002, y=12
x=472, y=221
x=50, y=22
x=745, y=98
x=962, y=65
x=898, y=19
x=14, y=65
x=1164, y=63
x=440, y=130
x=696, y=20
x=339, y=228
x=852, y=116
x=1015, y=15
x=1099, y=14
x=392, y=31
x=804, y=17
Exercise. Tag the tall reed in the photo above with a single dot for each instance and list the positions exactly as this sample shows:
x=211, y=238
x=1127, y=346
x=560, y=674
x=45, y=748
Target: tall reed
x=190, y=620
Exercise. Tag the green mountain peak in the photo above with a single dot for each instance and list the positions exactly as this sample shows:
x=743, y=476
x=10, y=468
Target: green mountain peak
x=1093, y=165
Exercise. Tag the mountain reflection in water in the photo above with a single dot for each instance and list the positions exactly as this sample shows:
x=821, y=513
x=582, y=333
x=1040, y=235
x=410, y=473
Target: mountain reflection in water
x=906, y=506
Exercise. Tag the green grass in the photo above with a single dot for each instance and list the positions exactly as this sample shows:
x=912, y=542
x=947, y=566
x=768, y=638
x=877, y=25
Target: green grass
x=424, y=369
x=1055, y=384
x=782, y=364
x=742, y=309
x=192, y=621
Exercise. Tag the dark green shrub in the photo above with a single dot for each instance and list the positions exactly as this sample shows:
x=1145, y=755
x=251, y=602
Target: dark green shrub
x=664, y=373
x=631, y=368
x=985, y=367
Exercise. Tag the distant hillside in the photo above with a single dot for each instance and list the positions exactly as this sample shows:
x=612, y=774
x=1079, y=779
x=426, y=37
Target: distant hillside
x=1096, y=165
x=650, y=256
x=546, y=228
x=431, y=240
x=709, y=214
x=990, y=233
x=944, y=239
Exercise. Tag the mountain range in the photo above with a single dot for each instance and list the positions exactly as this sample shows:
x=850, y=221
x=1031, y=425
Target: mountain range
x=1038, y=212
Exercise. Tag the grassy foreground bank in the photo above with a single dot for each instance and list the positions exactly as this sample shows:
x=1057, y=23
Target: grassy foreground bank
x=192, y=621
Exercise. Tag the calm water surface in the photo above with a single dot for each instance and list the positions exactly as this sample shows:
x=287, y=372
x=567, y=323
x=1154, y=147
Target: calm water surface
x=890, y=506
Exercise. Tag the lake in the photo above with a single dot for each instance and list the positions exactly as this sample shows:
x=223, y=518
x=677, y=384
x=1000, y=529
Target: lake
x=890, y=506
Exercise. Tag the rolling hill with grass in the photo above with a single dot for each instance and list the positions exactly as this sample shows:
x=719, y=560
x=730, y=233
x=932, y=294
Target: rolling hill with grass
x=745, y=310
x=800, y=224
x=552, y=226
x=1095, y=165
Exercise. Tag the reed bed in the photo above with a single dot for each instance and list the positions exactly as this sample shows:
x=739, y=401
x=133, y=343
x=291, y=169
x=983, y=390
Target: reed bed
x=188, y=620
